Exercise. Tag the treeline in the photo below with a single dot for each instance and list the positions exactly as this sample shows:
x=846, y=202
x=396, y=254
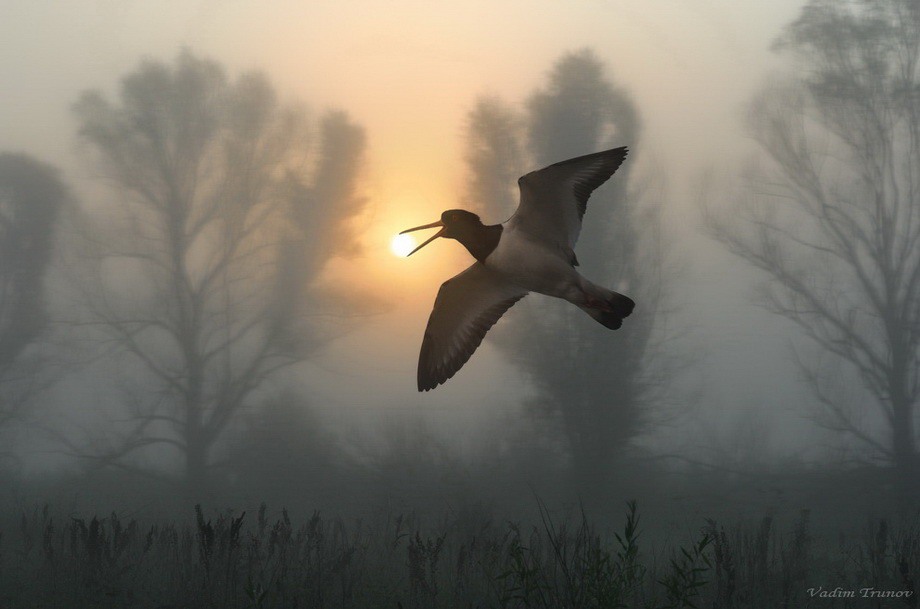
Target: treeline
x=188, y=283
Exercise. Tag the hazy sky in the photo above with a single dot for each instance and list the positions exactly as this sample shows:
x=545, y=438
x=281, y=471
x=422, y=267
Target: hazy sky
x=409, y=71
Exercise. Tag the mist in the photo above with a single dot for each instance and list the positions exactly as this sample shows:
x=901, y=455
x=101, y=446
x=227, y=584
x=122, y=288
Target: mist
x=209, y=344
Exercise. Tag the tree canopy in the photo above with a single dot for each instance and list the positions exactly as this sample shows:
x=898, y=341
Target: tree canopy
x=226, y=213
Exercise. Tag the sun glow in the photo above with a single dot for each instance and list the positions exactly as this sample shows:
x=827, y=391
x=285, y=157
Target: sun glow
x=401, y=245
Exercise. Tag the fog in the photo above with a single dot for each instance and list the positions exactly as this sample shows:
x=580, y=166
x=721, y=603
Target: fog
x=199, y=302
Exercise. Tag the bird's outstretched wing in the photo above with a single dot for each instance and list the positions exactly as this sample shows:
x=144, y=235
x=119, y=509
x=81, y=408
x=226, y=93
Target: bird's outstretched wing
x=466, y=307
x=554, y=199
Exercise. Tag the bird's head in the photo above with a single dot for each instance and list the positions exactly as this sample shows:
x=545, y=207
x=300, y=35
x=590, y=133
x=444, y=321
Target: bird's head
x=456, y=224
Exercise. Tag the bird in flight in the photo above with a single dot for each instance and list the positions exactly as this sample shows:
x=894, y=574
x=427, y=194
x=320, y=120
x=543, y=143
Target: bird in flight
x=533, y=251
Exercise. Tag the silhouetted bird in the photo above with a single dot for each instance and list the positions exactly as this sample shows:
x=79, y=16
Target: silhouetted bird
x=532, y=252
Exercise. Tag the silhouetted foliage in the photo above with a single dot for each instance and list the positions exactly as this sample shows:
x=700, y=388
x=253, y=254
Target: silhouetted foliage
x=319, y=214
x=31, y=196
x=494, y=156
x=593, y=383
x=835, y=222
x=265, y=559
x=217, y=237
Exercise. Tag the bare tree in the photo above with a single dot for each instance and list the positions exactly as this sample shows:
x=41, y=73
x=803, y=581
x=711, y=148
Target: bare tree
x=835, y=222
x=203, y=269
x=594, y=385
x=31, y=196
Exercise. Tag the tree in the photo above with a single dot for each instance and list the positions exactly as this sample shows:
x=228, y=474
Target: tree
x=320, y=214
x=593, y=383
x=202, y=285
x=835, y=221
x=31, y=196
x=494, y=156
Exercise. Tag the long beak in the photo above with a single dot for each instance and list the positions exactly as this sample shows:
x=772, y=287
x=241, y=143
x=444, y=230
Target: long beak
x=436, y=235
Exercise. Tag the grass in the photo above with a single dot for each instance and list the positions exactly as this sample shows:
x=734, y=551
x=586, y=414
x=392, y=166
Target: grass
x=467, y=561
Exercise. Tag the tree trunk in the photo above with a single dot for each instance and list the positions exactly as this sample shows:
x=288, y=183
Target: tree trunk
x=196, y=467
x=904, y=452
x=595, y=448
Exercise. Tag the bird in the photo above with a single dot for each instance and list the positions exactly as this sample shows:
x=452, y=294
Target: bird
x=533, y=251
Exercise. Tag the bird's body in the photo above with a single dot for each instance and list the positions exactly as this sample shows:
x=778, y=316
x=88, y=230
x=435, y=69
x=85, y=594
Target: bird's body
x=528, y=263
x=533, y=251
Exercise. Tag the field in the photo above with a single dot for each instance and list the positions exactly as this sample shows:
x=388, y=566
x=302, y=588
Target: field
x=467, y=559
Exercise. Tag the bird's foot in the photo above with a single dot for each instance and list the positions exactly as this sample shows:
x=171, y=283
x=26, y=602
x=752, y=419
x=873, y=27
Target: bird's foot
x=595, y=303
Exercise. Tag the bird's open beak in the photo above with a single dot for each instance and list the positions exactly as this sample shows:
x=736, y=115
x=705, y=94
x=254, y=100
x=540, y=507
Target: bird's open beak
x=436, y=235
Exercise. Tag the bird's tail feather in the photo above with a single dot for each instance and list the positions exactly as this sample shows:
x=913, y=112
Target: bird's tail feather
x=607, y=307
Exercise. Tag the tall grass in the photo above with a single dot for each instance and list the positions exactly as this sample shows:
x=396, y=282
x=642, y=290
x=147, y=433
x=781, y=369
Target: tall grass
x=467, y=561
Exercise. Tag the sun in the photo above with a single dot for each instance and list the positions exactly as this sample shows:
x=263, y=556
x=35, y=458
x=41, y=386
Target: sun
x=401, y=245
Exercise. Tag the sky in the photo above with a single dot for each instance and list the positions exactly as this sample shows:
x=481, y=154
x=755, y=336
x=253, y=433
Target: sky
x=409, y=71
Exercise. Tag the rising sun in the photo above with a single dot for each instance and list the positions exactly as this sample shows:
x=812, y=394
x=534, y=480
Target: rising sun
x=401, y=245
